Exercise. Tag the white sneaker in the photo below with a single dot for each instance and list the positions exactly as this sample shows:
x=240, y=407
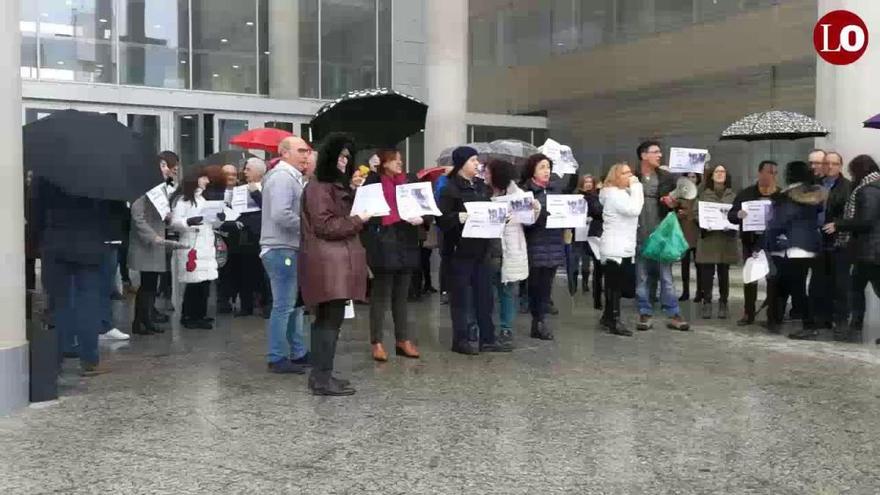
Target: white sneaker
x=114, y=334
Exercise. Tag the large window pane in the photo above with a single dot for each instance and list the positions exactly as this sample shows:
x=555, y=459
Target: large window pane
x=289, y=33
x=28, y=27
x=634, y=19
x=224, y=46
x=385, y=43
x=229, y=128
x=76, y=40
x=564, y=26
x=597, y=22
x=147, y=126
x=670, y=15
x=348, y=46
x=154, y=41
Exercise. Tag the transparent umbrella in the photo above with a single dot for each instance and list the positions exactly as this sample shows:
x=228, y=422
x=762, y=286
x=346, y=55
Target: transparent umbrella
x=483, y=149
x=512, y=150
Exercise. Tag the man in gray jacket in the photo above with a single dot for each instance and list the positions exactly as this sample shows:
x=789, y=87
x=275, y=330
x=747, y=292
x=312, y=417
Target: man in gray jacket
x=279, y=250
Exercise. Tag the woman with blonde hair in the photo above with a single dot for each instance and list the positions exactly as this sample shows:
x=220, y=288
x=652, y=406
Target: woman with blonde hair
x=622, y=198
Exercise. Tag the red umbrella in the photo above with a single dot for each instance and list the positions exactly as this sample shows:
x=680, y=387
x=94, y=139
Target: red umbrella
x=266, y=139
x=431, y=174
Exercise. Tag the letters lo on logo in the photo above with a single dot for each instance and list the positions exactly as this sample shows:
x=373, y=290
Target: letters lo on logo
x=840, y=37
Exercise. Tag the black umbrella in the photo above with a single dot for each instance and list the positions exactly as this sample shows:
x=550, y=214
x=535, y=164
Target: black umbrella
x=373, y=117
x=90, y=155
x=766, y=126
x=228, y=157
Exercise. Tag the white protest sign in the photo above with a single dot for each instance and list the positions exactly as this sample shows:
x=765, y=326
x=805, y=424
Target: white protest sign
x=486, y=220
x=242, y=202
x=686, y=160
x=567, y=211
x=370, y=200
x=159, y=199
x=519, y=206
x=713, y=216
x=562, y=157
x=757, y=213
x=211, y=209
x=416, y=200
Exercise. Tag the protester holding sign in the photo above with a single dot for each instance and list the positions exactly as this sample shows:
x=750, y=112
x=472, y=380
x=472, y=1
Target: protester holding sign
x=545, y=246
x=716, y=249
x=752, y=241
x=469, y=269
x=392, y=244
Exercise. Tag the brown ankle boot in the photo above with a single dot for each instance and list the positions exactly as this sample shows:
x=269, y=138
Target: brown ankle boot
x=407, y=349
x=379, y=353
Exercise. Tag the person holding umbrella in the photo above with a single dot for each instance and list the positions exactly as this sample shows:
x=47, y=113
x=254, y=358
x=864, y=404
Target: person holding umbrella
x=333, y=262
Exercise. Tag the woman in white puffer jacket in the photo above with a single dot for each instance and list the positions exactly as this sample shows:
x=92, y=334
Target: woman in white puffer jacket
x=622, y=199
x=197, y=265
x=514, y=250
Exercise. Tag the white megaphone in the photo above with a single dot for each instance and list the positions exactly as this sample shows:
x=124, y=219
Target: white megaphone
x=684, y=189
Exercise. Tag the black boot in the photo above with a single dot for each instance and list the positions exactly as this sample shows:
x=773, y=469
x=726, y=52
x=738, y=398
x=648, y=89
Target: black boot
x=586, y=282
x=142, y=324
x=321, y=380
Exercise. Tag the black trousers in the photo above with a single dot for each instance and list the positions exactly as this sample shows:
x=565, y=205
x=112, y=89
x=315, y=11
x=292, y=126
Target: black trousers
x=249, y=279
x=790, y=280
x=862, y=274
x=470, y=298
x=614, y=274
x=122, y=260
x=444, y=273
x=540, y=290
x=389, y=289
x=598, y=279
x=690, y=257
x=30, y=282
x=830, y=285
x=707, y=273
x=195, y=301
x=227, y=280
x=146, y=296
x=325, y=334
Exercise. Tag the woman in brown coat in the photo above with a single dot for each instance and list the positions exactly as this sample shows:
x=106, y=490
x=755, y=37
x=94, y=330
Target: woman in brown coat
x=686, y=210
x=333, y=263
x=716, y=249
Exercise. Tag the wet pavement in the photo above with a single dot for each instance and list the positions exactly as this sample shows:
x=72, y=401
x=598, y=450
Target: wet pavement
x=719, y=410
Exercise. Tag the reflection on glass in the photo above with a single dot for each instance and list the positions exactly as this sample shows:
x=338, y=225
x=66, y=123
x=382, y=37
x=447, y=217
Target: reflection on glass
x=224, y=46
x=154, y=36
x=76, y=40
x=230, y=128
x=597, y=22
x=35, y=114
x=487, y=134
x=147, y=126
x=416, y=153
x=634, y=19
x=564, y=26
x=28, y=28
x=670, y=15
x=348, y=46
x=188, y=140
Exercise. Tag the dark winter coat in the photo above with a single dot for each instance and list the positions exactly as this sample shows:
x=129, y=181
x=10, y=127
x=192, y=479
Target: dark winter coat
x=246, y=237
x=594, y=209
x=751, y=241
x=454, y=195
x=794, y=219
x=332, y=260
x=717, y=246
x=546, y=246
x=864, y=245
x=72, y=228
x=686, y=210
x=393, y=247
x=835, y=207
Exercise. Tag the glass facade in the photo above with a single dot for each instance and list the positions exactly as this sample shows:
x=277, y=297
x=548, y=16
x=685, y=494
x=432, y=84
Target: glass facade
x=530, y=33
x=209, y=45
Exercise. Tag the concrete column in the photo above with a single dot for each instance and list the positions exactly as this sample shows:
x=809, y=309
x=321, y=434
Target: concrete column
x=447, y=75
x=847, y=95
x=284, y=49
x=13, y=342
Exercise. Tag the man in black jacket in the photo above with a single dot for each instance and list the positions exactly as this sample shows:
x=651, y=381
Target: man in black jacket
x=830, y=280
x=752, y=242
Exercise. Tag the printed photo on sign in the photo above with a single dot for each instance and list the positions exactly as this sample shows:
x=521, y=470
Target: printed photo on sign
x=416, y=200
x=687, y=160
x=520, y=207
x=567, y=211
x=486, y=220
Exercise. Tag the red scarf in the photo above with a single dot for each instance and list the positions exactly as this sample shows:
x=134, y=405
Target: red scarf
x=389, y=188
x=541, y=183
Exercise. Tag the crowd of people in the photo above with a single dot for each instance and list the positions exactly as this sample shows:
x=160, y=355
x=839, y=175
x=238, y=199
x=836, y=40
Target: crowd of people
x=301, y=256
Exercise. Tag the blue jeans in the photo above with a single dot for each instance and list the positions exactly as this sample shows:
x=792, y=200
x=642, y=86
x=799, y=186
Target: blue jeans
x=470, y=298
x=506, y=303
x=285, y=334
x=75, y=291
x=648, y=273
x=108, y=283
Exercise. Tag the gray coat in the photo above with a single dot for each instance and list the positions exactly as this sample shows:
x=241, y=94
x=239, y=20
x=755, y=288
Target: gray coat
x=144, y=253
